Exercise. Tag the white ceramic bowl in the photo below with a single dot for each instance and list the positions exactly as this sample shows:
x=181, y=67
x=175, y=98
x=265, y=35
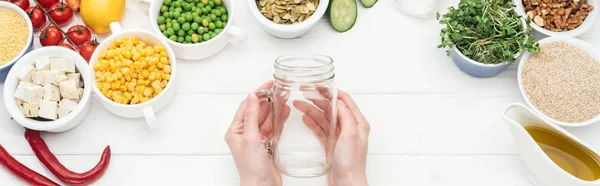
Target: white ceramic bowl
x=288, y=31
x=573, y=42
x=65, y=123
x=147, y=109
x=28, y=46
x=229, y=34
x=588, y=22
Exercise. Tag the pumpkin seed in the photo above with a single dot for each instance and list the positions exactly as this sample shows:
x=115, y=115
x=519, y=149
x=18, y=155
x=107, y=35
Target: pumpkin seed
x=287, y=11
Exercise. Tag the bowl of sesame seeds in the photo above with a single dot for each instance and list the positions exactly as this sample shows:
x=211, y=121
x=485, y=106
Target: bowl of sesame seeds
x=562, y=82
x=16, y=36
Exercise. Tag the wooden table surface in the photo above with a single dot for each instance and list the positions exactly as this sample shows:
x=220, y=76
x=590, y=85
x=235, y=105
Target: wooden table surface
x=431, y=123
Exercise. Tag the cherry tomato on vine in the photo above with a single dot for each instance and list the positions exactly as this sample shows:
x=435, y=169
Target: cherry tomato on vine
x=51, y=36
x=67, y=46
x=23, y=4
x=60, y=13
x=47, y=3
x=37, y=17
x=79, y=34
x=87, y=49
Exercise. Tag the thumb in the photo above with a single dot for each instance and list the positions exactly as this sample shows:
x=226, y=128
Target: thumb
x=251, y=115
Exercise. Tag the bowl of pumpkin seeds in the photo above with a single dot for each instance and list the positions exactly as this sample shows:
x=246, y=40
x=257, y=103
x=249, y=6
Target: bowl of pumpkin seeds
x=288, y=18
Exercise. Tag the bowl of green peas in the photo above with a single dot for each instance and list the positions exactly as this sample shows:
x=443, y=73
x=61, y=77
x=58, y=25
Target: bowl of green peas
x=195, y=29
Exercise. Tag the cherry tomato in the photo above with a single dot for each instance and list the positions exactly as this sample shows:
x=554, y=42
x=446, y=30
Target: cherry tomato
x=60, y=13
x=37, y=17
x=87, y=49
x=51, y=36
x=79, y=34
x=67, y=46
x=23, y=4
x=47, y=3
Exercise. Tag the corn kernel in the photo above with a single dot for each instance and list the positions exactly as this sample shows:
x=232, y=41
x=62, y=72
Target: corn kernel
x=144, y=99
x=160, y=65
x=166, y=76
x=167, y=69
x=152, y=68
x=145, y=73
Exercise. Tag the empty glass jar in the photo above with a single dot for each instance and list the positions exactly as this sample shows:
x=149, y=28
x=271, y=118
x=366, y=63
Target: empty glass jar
x=303, y=112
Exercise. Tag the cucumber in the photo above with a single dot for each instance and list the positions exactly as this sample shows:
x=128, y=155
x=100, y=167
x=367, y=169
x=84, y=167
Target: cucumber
x=343, y=14
x=368, y=3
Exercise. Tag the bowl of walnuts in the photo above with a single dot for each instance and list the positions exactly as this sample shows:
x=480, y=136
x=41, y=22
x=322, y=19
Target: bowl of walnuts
x=559, y=18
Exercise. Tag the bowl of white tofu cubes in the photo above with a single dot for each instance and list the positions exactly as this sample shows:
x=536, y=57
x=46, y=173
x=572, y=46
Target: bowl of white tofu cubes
x=48, y=89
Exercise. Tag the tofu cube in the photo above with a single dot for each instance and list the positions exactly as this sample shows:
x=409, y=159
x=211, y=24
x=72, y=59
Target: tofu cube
x=42, y=63
x=65, y=107
x=60, y=77
x=20, y=103
x=38, y=77
x=29, y=93
x=31, y=110
x=44, y=77
x=68, y=90
x=25, y=73
x=62, y=65
x=48, y=109
x=80, y=90
x=71, y=76
x=51, y=93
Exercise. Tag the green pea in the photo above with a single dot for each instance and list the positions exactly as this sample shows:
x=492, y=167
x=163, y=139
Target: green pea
x=196, y=1
x=211, y=3
x=194, y=26
x=167, y=2
x=197, y=19
x=224, y=17
x=178, y=9
x=180, y=40
x=173, y=38
x=205, y=2
x=213, y=17
x=164, y=8
x=165, y=14
x=219, y=24
x=217, y=31
x=224, y=10
x=190, y=32
x=218, y=2
x=171, y=8
x=195, y=14
x=195, y=38
x=204, y=22
x=176, y=26
x=206, y=37
x=175, y=15
x=208, y=19
x=189, y=17
x=169, y=24
x=174, y=21
x=218, y=12
x=199, y=10
x=199, y=5
x=176, y=4
x=200, y=30
x=181, y=20
x=205, y=10
x=208, y=8
x=162, y=27
x=213, y=35
x=185, y=26
x=170, y=31
x=211, y=26
x=180, y=33
x=161, y=20
x=187, y=7
x=189, y=1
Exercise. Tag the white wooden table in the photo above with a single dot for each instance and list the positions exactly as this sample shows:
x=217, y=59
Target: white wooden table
x=431, y=123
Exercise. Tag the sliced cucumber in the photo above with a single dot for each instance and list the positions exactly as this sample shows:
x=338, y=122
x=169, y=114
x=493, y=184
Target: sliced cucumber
x=343, y=14
x=368, y=3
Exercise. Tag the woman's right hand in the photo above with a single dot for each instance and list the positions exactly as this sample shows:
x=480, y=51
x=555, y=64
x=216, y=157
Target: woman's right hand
x=352, y=135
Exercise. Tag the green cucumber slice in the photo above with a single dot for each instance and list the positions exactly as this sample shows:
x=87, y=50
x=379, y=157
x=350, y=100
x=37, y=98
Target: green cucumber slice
x=368, y=3
x=343, y=14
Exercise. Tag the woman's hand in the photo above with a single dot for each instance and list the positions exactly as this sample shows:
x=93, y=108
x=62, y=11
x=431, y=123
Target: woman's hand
x=351, y=135
x=251, y=125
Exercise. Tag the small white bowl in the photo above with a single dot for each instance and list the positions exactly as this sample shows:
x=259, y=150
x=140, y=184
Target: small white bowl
x=65, y=123
x=28, y=46
x=591, y=50
x=587, y=24
x=147, y=109
x=229, y=34
x=288, y=31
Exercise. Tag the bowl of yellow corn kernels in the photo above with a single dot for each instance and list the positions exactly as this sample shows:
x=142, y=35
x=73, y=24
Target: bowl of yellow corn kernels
x=135, y=74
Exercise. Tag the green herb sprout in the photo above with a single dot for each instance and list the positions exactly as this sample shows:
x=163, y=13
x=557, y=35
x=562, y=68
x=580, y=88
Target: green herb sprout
x=487, y=31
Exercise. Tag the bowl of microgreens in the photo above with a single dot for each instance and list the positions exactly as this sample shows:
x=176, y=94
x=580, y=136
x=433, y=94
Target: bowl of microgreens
x=484, y=37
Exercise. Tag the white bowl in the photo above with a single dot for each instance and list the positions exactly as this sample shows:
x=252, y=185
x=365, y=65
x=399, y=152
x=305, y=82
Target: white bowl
x=229, y=34
x=591, y=50
x=146, y=109
x=588, y=22
x=65, y=123
x=288, y=31
x=28, y=46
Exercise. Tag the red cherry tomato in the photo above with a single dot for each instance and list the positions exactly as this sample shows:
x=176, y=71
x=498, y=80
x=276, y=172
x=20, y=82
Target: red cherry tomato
x=47, y=3
x=23, y=4
x=37, y=17
x=51, y=36
x=87, y=49
x=60, y=13
x=79, y=34
x=67, y=46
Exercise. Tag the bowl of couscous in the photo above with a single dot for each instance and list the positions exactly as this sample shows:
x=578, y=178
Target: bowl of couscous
x=16, y=36
x=134, y=74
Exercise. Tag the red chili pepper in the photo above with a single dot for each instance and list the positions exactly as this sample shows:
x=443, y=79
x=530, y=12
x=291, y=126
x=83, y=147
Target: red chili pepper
x=44, y=154
x=20, y=170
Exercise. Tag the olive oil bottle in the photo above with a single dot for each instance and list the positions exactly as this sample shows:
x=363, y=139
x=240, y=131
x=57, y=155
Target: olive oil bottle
x=567, y=154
